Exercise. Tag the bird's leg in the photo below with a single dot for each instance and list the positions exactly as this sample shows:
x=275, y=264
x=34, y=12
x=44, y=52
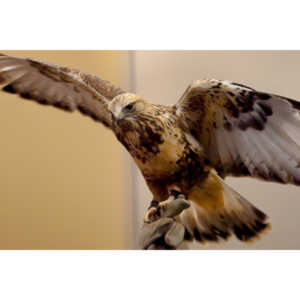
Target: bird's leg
x=153, y=212
x=169, y=208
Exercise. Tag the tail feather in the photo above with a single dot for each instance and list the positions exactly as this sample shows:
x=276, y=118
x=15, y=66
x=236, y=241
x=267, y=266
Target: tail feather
x=215, y=216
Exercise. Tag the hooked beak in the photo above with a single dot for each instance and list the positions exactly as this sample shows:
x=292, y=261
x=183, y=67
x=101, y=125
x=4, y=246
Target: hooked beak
x=117, y=119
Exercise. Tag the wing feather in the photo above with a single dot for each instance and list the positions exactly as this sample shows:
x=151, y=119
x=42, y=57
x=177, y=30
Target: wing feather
x=62, y=87
x=244, y=132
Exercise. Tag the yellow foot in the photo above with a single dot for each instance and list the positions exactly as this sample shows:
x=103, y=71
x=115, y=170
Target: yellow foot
x=168, y=208
x=152, y=214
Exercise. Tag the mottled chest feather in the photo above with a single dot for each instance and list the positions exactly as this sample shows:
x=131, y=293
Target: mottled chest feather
x=165, y=160
x=160, y=148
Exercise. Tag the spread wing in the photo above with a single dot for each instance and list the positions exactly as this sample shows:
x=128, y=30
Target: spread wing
x=62, y=87
x=244, y=132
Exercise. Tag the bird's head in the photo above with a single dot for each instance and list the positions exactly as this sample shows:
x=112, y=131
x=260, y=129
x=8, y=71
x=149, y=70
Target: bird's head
x=126, y=108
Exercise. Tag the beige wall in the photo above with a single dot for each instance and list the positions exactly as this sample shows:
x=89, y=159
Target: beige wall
x=162, y=77
x=62, y=176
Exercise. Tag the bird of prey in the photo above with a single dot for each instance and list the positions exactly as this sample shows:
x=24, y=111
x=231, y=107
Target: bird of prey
x=216, y=129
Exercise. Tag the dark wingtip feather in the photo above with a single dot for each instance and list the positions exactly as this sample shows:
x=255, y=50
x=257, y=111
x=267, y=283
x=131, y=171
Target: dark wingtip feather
x=295, y=103
x=9, y=89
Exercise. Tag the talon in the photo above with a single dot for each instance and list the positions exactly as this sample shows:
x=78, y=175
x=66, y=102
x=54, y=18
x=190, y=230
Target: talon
x=152, y=215
x=169, y=208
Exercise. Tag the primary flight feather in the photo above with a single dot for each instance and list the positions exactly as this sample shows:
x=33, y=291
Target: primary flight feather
x=217, y=128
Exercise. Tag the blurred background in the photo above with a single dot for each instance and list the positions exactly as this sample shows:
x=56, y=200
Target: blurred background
x=62, y=178
x=67, y=183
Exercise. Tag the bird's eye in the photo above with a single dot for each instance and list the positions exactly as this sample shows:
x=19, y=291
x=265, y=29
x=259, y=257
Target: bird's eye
x=129, y=107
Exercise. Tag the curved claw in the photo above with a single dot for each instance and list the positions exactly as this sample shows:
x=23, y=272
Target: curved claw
x=169, y=208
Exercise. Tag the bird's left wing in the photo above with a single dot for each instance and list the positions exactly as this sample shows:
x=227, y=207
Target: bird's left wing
x=244, y=132
x=62, y=87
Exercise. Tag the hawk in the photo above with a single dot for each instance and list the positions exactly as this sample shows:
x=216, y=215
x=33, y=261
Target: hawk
x=216, y=129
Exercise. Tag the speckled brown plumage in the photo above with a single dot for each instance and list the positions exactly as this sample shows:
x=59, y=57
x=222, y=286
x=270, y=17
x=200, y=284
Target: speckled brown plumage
x=217, y=128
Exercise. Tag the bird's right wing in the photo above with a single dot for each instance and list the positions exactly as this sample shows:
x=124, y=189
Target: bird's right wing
x=62, y=87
